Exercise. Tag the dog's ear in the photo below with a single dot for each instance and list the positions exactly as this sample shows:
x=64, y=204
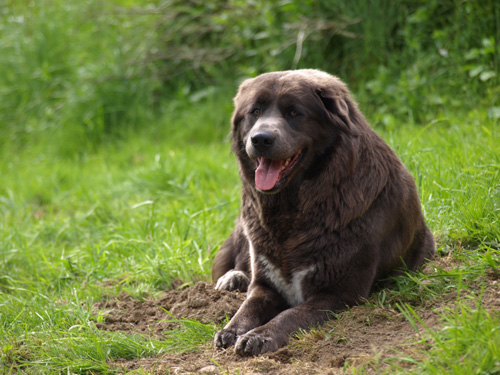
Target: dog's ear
x=339, y=108
x=235, y=134
x=236, y=120
x=241, y=104
x=333, y=102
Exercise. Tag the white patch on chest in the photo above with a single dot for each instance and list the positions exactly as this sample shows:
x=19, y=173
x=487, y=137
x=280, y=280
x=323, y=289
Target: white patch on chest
x=290, y=290
x=251, y=252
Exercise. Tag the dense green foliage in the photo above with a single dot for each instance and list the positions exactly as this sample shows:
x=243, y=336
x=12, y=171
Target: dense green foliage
x=113, y=119
x=87, y=69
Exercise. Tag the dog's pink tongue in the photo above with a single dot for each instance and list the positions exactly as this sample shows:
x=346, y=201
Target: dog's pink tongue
x=267, y=173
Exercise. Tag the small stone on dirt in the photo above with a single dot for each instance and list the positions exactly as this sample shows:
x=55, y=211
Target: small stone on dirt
x=210, y=369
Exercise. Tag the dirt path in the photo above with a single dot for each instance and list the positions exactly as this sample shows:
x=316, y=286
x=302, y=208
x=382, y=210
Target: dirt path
x=361, y=336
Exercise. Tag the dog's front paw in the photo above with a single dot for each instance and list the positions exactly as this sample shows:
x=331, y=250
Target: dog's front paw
x=255, y=344
x=225, y=338
x=233, y=280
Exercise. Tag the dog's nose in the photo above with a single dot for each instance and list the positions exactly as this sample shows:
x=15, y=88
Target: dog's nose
x=262, y=141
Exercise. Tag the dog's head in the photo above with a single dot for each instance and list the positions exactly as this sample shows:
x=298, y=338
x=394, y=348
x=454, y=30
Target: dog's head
x=285, y=123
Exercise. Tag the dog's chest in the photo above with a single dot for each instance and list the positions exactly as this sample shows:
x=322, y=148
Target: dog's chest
x=292, y=289
x=289, y=285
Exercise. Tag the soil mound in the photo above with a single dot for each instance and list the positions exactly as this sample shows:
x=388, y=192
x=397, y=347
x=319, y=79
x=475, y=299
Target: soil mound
x=357, y=336
x=200, y=302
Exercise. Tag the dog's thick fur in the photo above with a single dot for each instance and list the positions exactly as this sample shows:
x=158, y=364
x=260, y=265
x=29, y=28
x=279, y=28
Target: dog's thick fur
x=342, y=213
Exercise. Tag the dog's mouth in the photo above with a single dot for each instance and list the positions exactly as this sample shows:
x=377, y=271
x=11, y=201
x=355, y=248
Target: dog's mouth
x=271, y=174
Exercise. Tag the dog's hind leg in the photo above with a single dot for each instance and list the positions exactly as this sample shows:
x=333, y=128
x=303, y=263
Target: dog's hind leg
x=422, y=249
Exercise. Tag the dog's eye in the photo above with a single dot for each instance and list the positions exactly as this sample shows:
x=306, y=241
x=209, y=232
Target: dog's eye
x=255, y=112
x=293, y=113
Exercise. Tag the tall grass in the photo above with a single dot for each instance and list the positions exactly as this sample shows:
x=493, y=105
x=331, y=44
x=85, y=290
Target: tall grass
x=456, y=163
x=468, y=343
x=67, y=71
x=84, y=71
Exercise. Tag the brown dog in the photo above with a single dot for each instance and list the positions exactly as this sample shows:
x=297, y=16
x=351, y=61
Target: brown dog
x=327, y=209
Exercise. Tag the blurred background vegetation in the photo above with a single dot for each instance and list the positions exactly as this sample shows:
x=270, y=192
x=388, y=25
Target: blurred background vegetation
x=76, y=73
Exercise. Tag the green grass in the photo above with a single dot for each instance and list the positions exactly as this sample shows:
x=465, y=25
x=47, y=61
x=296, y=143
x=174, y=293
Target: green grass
x=468, y=343
x=456, y=163
x=92, y=219
x=141, y=211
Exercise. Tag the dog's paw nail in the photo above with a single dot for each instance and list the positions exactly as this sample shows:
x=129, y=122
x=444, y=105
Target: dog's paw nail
x=224, y=339
x=233, y=280
x=254, y=344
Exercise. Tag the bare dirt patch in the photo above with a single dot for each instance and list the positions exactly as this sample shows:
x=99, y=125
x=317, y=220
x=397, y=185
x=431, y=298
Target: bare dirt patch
x=363, y=336
x=201, y=302
x=359, y=337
